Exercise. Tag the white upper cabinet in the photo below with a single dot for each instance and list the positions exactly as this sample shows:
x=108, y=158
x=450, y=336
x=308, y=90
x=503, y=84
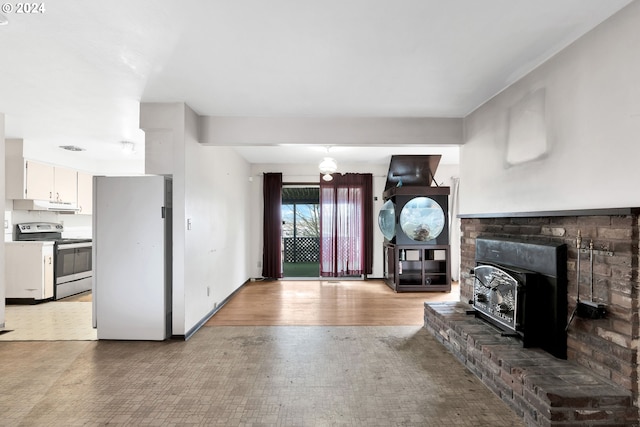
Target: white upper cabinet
x=85, y=193
x=44, y=182
x=38, y=181
x=65, y=185
x=27, y=180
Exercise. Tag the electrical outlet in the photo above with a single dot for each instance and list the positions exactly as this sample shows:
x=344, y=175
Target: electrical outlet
x=259, y=264
x=188, y=223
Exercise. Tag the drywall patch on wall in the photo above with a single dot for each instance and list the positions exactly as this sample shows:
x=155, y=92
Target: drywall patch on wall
x=527, y=130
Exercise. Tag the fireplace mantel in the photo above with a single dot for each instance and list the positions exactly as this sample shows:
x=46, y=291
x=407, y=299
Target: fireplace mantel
x=574, y=212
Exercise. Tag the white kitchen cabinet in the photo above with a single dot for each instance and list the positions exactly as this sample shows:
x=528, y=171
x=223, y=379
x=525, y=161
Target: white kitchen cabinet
x=24, y=179
x=29, y=270
x=65, y=185
x=85, y=193
x=38, y=179
x=31, y=180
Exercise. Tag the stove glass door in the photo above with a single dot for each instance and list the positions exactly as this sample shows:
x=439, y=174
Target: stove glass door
x=73, y=262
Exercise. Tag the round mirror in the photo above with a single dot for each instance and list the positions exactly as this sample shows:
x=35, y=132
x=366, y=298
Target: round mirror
x=422, y=219
x=387, y=220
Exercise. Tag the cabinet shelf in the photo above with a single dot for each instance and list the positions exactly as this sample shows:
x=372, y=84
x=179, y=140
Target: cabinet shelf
x=417, y=268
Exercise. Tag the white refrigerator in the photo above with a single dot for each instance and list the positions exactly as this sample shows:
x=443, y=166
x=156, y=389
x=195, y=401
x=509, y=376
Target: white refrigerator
x=132, y=257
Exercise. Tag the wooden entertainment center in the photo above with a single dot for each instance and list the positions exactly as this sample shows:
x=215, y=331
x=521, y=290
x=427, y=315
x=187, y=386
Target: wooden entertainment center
x=415, y=223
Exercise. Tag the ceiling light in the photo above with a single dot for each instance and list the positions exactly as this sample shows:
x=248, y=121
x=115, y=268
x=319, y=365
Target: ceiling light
x=328, y=166
x=128, y=147
x=72, y=148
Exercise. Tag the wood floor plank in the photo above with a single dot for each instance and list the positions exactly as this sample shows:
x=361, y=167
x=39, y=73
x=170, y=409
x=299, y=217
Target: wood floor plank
x=325, y=303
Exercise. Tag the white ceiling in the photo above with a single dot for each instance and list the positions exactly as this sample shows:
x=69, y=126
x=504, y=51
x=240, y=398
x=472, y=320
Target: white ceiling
x=76, y=73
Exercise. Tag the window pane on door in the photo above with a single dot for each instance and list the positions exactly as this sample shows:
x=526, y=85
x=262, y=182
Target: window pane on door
x=300, y=232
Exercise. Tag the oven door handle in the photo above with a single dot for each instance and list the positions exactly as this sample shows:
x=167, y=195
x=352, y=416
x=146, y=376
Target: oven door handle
x=74, y=245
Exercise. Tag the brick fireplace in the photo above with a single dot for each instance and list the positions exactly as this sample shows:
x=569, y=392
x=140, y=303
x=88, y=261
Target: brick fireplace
x=605, y=350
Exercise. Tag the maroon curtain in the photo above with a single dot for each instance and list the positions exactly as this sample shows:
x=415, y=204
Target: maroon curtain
x=346, y=225
x=272, y=226
x=368, y=223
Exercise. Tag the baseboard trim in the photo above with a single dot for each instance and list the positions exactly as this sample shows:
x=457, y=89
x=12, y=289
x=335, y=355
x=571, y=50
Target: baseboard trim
x=26, y=301
x=208, y=316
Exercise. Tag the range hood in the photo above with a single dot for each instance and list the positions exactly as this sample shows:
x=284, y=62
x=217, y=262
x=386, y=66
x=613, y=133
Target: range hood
x=44, y=205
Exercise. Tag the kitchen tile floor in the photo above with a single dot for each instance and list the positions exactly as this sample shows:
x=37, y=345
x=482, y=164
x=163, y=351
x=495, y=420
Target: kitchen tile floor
x=50, y=321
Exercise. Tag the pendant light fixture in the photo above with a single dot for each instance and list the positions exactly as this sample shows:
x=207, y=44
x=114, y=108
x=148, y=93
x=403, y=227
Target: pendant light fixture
x=328, y=166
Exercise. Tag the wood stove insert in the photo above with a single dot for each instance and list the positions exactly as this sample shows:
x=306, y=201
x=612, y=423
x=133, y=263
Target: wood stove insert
x=521, y=288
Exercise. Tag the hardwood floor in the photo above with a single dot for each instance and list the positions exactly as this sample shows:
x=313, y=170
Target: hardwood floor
x=330, y=303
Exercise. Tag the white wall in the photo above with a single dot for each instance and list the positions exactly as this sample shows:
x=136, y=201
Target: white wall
x=2, y=206
x=218, y=206
x=309, y=174
x=166, y=156
x=75, y=225
x=445, y=177
x=211, y=193
x=589, y=118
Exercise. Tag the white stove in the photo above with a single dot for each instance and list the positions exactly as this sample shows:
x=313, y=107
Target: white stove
x=72, y=257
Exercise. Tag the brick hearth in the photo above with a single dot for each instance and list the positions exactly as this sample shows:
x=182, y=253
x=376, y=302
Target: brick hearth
x=601, y=374
x=543, y=390
x=609, y=346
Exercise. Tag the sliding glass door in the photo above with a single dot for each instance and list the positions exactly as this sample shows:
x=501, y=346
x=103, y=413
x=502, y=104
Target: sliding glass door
x=300, y=231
